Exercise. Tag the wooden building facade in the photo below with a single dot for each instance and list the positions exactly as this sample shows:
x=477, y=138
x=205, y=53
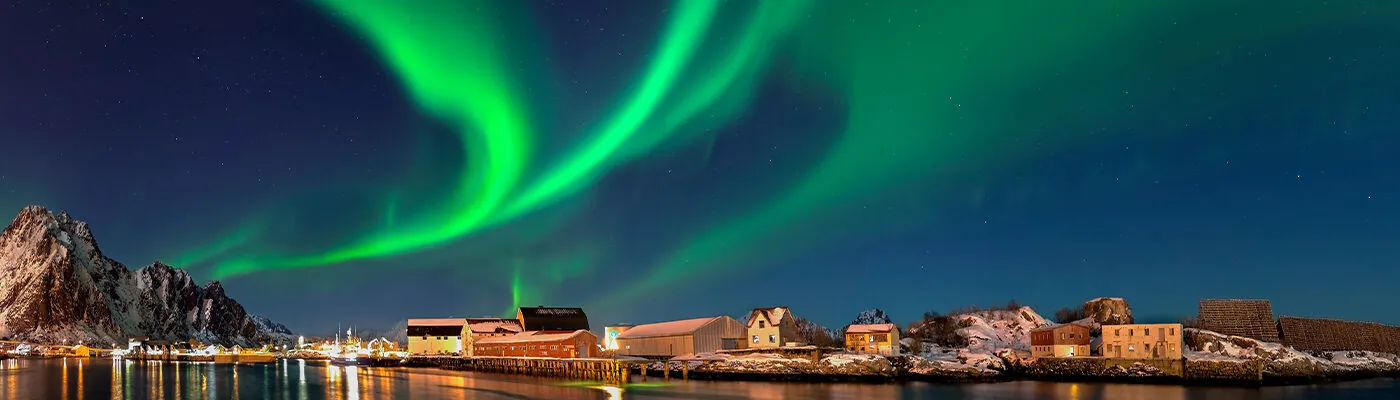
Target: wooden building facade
x=576, y=344
x=1068, y=340
x=674, y=338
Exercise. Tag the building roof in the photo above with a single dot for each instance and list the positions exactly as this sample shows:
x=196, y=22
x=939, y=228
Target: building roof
x=553, y=318
x=871, y=328
x=774, y=315
x=433, y=330
x=531, y=337
x=1055, y=327
x=493, y=325
x=671, y=328
x=457, y=322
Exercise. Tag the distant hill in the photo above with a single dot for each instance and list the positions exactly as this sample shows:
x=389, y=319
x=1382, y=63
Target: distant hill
x=398, y=332
x=871, y=316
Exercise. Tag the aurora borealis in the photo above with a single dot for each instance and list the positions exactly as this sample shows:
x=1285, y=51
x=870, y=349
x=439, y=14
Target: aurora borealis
x=631, y=157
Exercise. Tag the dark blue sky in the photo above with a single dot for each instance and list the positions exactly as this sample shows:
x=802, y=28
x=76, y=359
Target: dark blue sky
x=1252, y=155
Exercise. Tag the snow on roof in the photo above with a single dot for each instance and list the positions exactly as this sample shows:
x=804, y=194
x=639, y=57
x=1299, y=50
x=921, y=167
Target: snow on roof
x=1058, y=326
x=493, y=325
x=437, y=321
x=871, y=328
x=672, y=328
x=530, y=336
x=773, y=315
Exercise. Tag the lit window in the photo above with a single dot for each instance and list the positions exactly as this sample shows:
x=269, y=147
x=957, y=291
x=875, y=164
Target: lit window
x=1130, y=347
x=755, y=338
x=772, y=338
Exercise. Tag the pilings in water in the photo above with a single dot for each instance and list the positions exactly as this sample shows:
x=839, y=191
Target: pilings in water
x=605, y=370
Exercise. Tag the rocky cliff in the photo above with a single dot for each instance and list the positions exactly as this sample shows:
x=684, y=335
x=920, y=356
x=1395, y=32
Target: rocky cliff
x=1108, y=311
x=56, y=286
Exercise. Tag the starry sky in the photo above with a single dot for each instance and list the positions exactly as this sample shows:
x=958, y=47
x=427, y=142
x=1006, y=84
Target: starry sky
x=366, y=161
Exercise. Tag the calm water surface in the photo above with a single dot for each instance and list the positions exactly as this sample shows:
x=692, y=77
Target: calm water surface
x=98, y=378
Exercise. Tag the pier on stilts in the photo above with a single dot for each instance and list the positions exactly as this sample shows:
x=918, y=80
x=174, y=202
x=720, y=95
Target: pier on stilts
x=595, y=369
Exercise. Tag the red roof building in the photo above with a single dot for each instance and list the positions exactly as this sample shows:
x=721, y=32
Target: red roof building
x=576, y=344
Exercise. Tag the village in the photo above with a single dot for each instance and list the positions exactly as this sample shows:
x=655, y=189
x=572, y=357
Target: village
x=1230, y=341
x=1233, y=342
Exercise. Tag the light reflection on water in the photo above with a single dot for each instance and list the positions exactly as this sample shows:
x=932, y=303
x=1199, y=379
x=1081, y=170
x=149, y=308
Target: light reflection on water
x=124, y=379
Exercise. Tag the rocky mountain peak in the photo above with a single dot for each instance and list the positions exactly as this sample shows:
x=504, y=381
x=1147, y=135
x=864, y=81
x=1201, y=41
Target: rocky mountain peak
x=55, y=284
x=214, y=289
x=872, y=316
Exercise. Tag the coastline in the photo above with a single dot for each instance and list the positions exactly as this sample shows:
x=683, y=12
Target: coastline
x=1015, y=374
x=864, y=368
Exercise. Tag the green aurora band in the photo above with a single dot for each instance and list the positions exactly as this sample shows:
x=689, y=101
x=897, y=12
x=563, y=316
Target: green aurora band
x=932, y=89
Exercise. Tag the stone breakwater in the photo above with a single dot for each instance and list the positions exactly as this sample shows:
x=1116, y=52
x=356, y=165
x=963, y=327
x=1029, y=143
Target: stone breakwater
x=1084, y=369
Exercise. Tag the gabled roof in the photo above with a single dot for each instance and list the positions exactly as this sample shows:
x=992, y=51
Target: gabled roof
x=871, y=328
x=671, y=328
x=774, y=315
x=531, y=337
x=553, y=318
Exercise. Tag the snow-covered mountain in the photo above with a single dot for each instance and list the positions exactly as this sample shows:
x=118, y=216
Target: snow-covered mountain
x=871, y=316
x=56, y=286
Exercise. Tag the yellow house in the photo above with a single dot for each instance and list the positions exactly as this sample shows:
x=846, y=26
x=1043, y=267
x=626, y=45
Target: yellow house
x=873, y=338
x=1142, y=341
x=772, y=327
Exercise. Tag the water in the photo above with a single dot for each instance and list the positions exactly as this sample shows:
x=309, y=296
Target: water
x=98, y=378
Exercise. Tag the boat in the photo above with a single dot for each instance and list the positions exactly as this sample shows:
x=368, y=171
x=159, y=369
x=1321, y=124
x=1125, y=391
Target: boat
x=350, y=353
x=350, y=360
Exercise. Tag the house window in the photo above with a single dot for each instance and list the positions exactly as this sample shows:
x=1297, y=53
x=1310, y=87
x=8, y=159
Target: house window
x=1171, y=331
x=1172, y=347
x=1130, y=347
x=1130, y=333
x=1146, y=331
x=1115, y=332
x=554, y=347
x=755, y=338
x=772, y=338
x=760, y=325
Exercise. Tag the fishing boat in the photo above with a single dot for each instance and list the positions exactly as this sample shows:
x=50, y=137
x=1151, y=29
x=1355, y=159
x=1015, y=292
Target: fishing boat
x=351, y=353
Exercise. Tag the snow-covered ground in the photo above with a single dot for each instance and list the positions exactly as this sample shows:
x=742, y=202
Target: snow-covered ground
x=987, y=333
x=1212, y=346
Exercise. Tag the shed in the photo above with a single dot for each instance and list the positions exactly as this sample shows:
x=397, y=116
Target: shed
x=674, y=338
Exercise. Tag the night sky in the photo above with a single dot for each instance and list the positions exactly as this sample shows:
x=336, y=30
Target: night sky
x=366, y=161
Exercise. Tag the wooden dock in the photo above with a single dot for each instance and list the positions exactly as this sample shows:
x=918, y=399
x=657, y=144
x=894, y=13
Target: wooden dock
x=599, y=369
